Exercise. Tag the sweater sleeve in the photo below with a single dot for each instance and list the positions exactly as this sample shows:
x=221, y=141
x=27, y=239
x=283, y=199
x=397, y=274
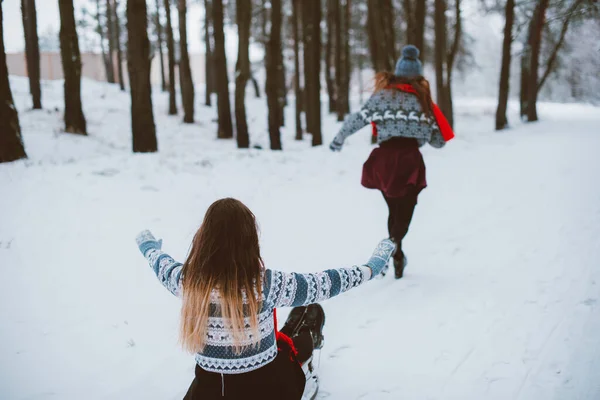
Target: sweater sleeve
x=167, y=270
x=291, y=289
x=436, y=140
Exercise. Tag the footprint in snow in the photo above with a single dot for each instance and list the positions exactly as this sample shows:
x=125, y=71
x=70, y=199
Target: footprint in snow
x=106, y=172
x=589, y=302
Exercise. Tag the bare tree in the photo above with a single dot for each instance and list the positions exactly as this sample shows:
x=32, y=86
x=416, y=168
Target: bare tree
x=311, y=18
x=501, y=120
x=382, y=41
x=331, y=49
x=297, y=88
x=11, y=142
x=343, y=83
x=225, y=129
x=416, y=11
x=185, y=72
x=138, y=64
x=171, y=51
x=110, y=32
x=159, y=34
x=209, y=66
x=118, y=44
x=71, y=63
x=242, y=73
x=273, y=66
x=32, y=51
x=110, y=76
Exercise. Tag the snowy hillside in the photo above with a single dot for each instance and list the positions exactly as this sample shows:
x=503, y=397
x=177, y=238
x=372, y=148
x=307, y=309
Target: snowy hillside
x=501, y=298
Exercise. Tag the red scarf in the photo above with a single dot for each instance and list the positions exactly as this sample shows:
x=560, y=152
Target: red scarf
x=285, y=338
x=445, y=128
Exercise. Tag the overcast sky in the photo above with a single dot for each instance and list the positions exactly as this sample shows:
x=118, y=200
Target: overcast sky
x=47, y=16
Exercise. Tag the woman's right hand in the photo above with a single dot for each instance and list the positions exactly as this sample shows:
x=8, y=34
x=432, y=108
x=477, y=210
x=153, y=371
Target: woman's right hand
x=381, y=256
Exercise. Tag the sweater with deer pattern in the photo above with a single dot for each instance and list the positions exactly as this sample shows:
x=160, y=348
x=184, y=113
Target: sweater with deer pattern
x=395, y=114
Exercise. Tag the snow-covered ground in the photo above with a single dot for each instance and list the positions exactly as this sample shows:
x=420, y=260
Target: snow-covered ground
x=501, y=299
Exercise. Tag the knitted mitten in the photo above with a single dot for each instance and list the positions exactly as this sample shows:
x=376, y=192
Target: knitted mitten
x=336, y=145
x=381, y=256
x=146, y=241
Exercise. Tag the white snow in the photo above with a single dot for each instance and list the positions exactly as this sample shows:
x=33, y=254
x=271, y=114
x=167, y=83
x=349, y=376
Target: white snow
x=501, y=298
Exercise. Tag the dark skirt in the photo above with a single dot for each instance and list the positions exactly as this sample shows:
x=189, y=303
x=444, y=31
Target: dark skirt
x=396, y=168
x=281, y=379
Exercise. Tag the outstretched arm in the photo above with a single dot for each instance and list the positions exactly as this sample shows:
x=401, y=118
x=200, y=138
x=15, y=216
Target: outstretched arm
x=167, y=270
x=290, y=289
x=351, y=125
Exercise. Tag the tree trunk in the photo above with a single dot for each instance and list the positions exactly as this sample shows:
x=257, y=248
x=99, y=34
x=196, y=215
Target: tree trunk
x=118, y=45
x=110, y=78
x=501, y=120
x=297, y=88
x=171, y=51
x=138, y=64
x=273, y=66
x=208, y=60
x=343, y=100
x=159, y=33
x=330, y=48
x=256, y=87
x=32, y=51
x=441, y=58
x=110, y=31
x=380, y=27
x=242, y=73
x=11, y=142
x=311, y=16
x=536, y=42
x=225, y=130
x=450, y=61
x=415, y=12
x=185, y=72
x=71, y=63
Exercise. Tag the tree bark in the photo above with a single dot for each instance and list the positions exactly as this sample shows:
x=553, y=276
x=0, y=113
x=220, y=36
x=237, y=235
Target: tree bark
x=242, y=73
x=11, y=142
x=110, y=31
x=71, y=63
x=208, y=61
x=451, y=58
x=441, y=58
x=536, y=42
x=159, y=33
x=311, y=15
x=501, y=120
x=343, y=99
x=171, y=51
x=225, y=129
x=297, y=88
x=32, y=51
x=381, y=34
x=415, y=12
x=110, y=78
x=273, y=66
x=118, y=45
x=185, y=72
x=331, y=50
x=138, y=64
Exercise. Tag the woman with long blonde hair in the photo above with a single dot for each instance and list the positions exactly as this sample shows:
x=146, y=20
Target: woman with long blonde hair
x=228, y=302
x=403, y=118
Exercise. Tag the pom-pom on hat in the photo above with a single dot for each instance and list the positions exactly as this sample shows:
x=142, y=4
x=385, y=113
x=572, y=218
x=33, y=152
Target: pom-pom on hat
x=409, y=66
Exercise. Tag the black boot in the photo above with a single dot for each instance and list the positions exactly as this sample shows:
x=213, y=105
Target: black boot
x=399, y=266
x=294, y=321
x=306, y=319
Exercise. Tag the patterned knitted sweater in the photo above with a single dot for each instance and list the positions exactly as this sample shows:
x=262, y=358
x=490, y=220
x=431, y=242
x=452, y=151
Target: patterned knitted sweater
x=396, y=114
x=280, y=289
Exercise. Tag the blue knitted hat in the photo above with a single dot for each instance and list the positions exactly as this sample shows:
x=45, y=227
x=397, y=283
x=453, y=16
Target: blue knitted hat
x=409, y=66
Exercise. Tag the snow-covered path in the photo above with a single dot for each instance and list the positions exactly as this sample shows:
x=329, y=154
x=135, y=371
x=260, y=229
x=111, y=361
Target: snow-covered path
x=501, y=298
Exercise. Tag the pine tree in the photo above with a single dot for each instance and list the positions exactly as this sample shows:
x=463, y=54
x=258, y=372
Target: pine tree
x=242, y=71
x=311, y=18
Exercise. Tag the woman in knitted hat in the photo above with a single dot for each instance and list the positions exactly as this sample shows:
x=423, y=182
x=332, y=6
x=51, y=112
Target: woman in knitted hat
x=403, y=118
x=228, y=307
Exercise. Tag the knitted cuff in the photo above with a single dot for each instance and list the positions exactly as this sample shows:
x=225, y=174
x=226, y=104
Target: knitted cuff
x=146, y=241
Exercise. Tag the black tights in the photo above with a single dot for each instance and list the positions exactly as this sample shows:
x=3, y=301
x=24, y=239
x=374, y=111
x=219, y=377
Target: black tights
x=401, y=213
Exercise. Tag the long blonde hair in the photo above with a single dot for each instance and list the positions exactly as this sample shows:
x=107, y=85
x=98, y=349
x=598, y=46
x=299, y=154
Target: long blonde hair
x=222, y=276
x=386, y=80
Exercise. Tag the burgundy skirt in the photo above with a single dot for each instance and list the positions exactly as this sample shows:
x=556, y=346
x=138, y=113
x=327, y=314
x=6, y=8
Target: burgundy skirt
x=396, y=168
